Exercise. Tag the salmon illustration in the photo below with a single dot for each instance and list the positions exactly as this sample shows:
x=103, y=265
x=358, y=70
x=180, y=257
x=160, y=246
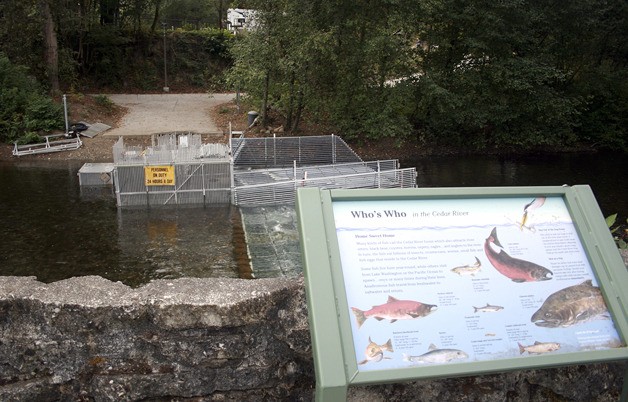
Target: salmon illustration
x=394, y=310
x=513, y=268
x=570, y=306
x=469, y=269
x=489, y=308
x=375, y=352
x=539, y=348
x=437, y=356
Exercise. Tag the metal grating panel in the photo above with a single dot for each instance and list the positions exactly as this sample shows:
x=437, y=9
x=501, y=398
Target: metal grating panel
x=281, y=193
x=264, y=171
x=273, y=152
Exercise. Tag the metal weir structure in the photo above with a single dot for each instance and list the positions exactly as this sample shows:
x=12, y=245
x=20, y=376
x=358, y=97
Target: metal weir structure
x=180, y=169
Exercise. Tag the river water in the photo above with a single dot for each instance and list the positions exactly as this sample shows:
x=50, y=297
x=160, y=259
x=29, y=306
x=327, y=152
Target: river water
x=53, y=229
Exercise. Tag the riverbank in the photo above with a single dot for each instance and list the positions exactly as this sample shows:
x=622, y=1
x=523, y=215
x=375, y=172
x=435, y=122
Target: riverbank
x=92, y=109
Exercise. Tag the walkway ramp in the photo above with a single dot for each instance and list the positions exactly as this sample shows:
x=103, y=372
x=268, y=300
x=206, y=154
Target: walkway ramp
x=51, y=143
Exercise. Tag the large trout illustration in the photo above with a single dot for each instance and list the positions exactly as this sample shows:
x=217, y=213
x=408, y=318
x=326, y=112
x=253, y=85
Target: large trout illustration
x=570, y=306
x=513, y=268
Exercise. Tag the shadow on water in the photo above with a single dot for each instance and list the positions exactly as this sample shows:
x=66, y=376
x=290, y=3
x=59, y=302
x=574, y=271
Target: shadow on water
x=53, y=229
x=603, y=172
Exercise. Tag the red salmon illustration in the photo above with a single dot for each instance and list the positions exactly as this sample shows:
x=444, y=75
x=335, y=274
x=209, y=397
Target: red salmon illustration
x=514, y=268
x=394, y=310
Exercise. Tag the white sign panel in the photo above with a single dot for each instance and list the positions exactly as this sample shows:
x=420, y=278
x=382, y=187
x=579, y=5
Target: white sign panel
x=455, y=280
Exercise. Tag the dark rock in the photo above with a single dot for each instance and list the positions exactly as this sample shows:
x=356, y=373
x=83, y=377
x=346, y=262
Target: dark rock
x=89, y=339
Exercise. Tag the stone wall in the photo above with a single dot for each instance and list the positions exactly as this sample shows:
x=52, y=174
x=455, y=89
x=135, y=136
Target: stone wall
x=89, y=339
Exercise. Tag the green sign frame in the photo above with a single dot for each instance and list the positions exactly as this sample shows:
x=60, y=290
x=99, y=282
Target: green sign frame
x=332, y=324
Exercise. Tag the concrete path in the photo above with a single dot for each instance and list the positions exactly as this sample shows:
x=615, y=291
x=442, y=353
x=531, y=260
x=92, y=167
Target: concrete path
x=167, y=113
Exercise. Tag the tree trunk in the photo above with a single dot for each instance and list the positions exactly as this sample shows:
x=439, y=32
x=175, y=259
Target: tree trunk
x=264, y=116
x=220, y=17
x=153, y=26
x=51, y=48
x=290, y=110
x=300, y=107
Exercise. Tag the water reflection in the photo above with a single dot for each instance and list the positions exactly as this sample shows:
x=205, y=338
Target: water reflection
x=601, y=171
x=53, y=229
x=175, y=242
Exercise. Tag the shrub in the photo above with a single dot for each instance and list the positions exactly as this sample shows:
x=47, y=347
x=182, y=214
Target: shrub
x=23, y=106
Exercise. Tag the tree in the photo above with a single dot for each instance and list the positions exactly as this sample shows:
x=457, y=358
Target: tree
x=51, y=47
x=332, y=57
x=24, y=109
x=476, y=74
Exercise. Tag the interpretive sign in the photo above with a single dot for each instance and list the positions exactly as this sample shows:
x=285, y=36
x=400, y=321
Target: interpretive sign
x=437, y=282
x=159, y=175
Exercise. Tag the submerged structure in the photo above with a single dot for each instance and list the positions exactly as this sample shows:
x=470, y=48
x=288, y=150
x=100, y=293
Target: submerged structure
x=180, y=169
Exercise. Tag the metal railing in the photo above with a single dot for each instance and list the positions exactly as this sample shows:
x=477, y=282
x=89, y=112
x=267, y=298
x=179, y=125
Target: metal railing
x=271, y=152
x=262, y=171
x=48, y=146
x=284, y=192
x=168, y=150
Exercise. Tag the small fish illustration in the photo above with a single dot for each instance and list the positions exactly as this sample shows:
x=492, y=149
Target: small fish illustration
x=437, y=356
x=539, y=348
x=394, y=310
x=513, y=268
x=375, y=352
x=570, y=306
x=534, y=204
x=487, y=309
x=468, y=269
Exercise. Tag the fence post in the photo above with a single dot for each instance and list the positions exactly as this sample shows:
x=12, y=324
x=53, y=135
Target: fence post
x=203, y=182
x=333, y=149
x=232, y=174
x=294, y=173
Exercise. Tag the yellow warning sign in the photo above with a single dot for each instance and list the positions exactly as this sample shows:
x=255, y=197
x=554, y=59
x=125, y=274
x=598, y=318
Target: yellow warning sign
x=159, y=175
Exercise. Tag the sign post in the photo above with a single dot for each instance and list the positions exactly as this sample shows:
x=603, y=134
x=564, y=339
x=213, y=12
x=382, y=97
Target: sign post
x=428, y=283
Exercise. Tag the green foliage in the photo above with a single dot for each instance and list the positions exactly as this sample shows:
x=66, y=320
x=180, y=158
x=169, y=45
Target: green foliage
x=476, y=74
x=191, y=15
x=23, y=106
x=41, y=114
x=620, y=235
x=104, y=102
x=198, y=58
x=28, y=137
x=329, y=58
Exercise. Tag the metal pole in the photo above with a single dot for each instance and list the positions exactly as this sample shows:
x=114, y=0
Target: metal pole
x=166, y=89
x=65, y=111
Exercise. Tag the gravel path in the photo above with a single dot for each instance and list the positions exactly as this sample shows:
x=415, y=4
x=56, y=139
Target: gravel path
x=167, y=113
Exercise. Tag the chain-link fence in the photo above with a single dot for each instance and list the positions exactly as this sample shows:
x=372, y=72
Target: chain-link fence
x=252, y=172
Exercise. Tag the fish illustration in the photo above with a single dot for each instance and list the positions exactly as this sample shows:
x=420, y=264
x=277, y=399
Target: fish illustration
x=394, y=310
x=534, y=204
x=513, y=268
x=375, y=352
x=539, y=348
x=468, y=269
x=487, y=309
x=436, y=356
x=570, y=306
